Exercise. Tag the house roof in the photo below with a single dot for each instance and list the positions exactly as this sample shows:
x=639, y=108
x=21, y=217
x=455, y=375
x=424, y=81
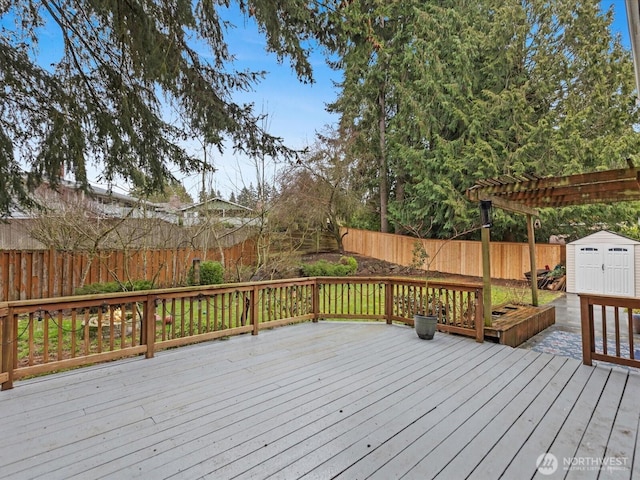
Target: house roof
x=104, y=193
x=218, y=203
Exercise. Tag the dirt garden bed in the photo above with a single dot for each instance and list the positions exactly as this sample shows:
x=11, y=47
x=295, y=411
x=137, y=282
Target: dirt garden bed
x=373, y=267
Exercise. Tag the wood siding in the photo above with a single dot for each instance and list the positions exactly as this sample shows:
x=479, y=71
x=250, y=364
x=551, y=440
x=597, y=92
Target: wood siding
x=509, y=260
x=33, y=274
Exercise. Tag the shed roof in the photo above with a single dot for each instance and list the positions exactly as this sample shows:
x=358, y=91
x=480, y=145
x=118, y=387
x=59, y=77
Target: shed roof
x=605, y=237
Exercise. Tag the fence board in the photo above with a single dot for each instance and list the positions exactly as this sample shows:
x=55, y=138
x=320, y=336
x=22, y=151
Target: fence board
x=33, y=274
x=509, y=260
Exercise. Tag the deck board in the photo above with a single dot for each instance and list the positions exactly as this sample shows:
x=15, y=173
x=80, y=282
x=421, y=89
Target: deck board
x=600, y=425
x=503, y=437
x=622, y=439
x=486, y=403
x=310, y=415
x=502, y=415
x=327, y=400
x=512, y=455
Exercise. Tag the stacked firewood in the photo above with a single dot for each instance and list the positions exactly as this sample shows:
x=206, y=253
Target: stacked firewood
x=549, y=279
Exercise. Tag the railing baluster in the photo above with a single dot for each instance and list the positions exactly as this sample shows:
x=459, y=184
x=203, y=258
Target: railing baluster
x=616, y=319
x=31, y=338
x=603, y=313
x=45, y=338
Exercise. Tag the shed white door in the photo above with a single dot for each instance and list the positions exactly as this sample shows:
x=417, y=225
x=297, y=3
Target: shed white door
x=605, y=269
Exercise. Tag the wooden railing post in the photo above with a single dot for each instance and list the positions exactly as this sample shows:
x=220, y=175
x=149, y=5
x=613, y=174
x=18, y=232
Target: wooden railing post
x=588, y=334
x=149, y=325
x=8, y=347
x=255, y=321
x=388, y=301
x=316, y=300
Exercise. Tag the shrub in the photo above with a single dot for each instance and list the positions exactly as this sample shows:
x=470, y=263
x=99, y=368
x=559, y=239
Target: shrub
x=211, y=273
x=113, y=287
x=323, y=268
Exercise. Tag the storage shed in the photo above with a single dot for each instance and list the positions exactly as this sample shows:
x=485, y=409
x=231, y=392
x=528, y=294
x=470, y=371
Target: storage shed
x=604, y=263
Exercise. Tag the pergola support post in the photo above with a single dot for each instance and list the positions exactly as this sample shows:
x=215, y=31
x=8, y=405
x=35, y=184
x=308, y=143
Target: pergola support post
x=532, y=260
x=486, y=276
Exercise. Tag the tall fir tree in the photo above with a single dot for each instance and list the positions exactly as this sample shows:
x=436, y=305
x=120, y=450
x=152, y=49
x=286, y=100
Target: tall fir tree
x=480, y=89
x=122, y=65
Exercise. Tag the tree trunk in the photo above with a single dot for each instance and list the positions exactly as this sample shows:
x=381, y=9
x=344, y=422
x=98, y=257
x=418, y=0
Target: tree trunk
x=382, y=163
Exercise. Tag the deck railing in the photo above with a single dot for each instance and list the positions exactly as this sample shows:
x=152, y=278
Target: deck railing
x=41, y=336
x=607, y=329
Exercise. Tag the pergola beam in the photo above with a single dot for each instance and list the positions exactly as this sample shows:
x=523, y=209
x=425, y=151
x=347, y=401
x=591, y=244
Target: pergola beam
x=511, y=206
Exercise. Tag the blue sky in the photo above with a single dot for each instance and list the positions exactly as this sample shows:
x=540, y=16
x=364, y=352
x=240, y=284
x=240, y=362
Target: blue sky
x=619, y=19
x=296, y=111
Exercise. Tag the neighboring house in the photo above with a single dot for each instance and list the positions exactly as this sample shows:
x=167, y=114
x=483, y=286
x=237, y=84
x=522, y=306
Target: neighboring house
x=147, y=224
x=100, y=202
x=68, y=206
x=218, y=210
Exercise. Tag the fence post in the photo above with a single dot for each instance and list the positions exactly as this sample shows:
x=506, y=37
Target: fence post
x=7, y=348
x=149, y=325
x=196, y=271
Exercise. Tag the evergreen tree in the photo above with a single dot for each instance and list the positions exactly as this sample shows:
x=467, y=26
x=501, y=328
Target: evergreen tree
x=441, y=94
x=170, y=188
x=122, y=64
x=248, y=197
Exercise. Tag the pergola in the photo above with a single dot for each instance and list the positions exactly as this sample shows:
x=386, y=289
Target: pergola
x=526, y=193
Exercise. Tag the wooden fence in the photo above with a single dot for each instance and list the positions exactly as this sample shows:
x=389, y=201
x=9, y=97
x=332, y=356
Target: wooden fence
x=461, y=257
x=32, y=274
x=41, y=336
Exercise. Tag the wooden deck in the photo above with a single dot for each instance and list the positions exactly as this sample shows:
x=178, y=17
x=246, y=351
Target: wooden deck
x=325, y=400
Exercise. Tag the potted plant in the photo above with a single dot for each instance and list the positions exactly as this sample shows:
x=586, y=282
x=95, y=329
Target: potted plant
x=429, y=309
x=425, y=319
